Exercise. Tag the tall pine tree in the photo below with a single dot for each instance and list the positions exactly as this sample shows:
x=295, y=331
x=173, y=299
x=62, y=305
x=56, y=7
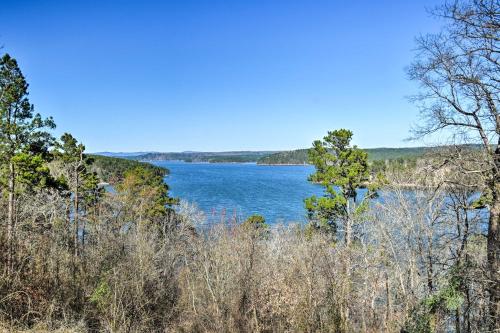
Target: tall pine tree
x=24, y=141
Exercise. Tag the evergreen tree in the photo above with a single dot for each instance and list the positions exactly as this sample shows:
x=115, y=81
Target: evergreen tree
x=24, y=141
x=145, y=195
x=341, y=169
x=82, y=183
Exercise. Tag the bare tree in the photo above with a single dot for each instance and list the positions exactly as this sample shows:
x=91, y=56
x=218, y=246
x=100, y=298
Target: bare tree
x=459, y=73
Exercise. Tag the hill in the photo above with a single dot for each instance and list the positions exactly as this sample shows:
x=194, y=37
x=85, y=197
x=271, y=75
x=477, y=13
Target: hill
x=111, y=169
x=209, y=157
x=121, y=154
x=299, y=156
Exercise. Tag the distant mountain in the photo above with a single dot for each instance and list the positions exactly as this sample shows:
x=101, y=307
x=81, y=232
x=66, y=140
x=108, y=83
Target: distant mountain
x=209, y=157
x=121, y=154
x=298, y=156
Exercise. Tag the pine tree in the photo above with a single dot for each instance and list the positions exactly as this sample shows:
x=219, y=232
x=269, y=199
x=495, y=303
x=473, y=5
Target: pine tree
x=24, y=141
x=82, y=183
x=341, y=169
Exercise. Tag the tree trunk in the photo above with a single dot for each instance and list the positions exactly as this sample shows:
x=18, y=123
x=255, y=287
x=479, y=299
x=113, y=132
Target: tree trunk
x=457, y=321
x=493, y=245
x=10, y=219
x=67, y=235
x=83, y=236
x=493, y=249
x=348, y=225
x=468, y=307
x=388, y=304
x=75, y=220
x=430, y=267
x=348, y=232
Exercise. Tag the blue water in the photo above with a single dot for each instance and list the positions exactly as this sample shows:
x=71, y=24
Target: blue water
x=275, y=192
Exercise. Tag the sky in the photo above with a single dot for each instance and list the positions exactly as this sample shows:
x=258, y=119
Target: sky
x=217, y=75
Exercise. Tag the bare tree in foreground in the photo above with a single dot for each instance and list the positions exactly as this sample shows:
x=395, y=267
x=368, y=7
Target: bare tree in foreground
x=459, y=73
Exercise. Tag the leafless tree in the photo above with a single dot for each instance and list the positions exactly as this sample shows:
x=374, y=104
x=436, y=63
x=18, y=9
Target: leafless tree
x=459, y=73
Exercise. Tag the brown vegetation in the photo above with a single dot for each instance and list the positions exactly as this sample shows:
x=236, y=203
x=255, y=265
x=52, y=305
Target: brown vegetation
x=417, y=263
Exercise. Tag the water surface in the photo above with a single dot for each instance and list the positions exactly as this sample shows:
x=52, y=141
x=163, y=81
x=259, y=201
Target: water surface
x=275, y=192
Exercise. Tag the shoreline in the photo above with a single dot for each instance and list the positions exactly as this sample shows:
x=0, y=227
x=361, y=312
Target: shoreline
x=228, y=162
x=284, y=164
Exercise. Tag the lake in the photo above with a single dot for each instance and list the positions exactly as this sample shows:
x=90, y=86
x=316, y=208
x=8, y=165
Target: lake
x=275, y=192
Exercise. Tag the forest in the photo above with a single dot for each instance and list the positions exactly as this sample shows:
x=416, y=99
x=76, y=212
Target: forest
x=205, y=157
x=113, y=169
x=300, y=156
x=77, y=258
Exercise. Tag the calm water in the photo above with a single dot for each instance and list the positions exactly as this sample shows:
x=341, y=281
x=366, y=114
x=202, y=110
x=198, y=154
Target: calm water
x=275, y=192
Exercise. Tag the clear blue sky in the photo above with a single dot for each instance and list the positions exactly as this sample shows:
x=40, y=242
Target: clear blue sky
x=218, y=75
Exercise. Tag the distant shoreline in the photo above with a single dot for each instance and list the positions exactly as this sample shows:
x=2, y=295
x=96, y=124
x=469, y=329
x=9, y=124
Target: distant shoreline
x=205, y=162
x=284, y=164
